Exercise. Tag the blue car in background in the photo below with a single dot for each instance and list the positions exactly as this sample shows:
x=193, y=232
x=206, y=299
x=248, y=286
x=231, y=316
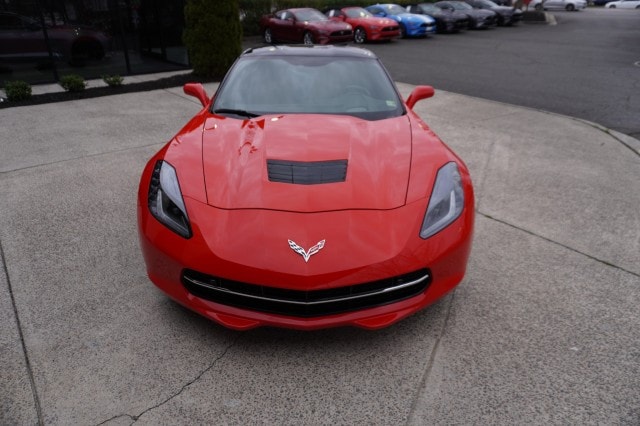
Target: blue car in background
x=411, y=25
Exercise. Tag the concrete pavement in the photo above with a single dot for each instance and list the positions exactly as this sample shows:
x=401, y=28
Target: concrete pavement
x=543, y=330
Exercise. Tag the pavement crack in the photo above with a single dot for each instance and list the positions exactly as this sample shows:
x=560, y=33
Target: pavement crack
x=183, y=388
x=602, y=261
x=432, y=359
x=32, y=382
x=117, y=417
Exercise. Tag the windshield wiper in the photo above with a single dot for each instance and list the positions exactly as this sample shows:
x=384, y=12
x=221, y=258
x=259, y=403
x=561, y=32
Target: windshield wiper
x=239, y=112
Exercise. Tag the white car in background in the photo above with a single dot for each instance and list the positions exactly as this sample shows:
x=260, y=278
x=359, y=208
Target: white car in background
x=569, y=5
x=623, y=4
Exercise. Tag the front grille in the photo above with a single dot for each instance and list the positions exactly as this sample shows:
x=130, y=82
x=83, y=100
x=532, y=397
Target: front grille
x=390, y=29
x=341, y=33
x=307, y=173
x=306, y=303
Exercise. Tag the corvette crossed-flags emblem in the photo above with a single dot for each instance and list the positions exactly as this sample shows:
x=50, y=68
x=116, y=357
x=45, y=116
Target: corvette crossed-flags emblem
x=306, y=254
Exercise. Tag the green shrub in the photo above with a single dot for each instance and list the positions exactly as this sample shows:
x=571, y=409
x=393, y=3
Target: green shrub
x=212, y=35
x=72, y=83
x=112, y=80
x=17, y=90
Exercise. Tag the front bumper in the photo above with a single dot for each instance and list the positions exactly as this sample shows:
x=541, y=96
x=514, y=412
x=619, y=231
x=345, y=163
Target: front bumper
x=387, y=33
x=269, y=275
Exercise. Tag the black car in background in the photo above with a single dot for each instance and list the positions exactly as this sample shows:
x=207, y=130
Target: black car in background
x=447, y=21
x=478, y=18
x=506, y=15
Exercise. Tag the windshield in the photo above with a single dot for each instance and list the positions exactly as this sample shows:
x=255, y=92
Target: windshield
x=460, y=5
x=488, y=3
x=394, y=9
x=309, y=15
x=341, y=85
x=429, y=8
x=357, y=12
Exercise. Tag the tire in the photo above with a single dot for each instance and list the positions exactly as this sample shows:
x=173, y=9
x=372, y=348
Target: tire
x=268, y=36
x=403, y=31
x=538, y=7
x=359, y=35
x=570, y=8
x=307, y=38
x=613, y=6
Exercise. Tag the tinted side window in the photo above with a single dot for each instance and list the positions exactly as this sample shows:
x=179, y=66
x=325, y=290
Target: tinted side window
x=10, y=22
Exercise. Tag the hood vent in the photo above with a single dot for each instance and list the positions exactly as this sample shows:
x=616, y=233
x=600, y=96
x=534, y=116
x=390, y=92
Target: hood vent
x=307, y=173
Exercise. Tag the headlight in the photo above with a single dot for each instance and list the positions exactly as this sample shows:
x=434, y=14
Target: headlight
x=446, y=203
x=165, y=199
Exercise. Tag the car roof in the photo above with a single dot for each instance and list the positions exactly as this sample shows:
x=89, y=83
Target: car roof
x=314, y=50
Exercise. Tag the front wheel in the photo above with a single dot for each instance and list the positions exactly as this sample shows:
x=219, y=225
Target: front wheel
x=403, y=31
x=359, y=36
x=268, y=37
x=570, y=8
x=613, y=6
x=307, y=38
x=538, y=7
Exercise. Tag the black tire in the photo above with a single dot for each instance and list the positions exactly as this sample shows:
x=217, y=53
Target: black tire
x=403, y=31
x=267, y=36
x=538, y=7
x=307, y=38
x=570, y=8
x=359, y=35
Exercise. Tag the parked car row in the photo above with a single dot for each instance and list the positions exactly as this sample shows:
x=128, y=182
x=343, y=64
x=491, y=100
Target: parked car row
x=383, y=21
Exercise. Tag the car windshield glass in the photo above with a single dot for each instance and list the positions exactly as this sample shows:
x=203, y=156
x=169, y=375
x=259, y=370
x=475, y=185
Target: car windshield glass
x=429, y=8
x=394, y=9
x=299, y=84
x=461, y=6
x=357, y=12
x=488, y=3
x=309, y=15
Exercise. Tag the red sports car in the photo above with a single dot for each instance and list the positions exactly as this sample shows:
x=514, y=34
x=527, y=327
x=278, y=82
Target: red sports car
x=366, y=27
x=296, y=200
x=305, y=25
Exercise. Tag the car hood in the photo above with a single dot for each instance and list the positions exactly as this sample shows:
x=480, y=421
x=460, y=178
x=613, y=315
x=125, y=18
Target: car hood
x=413, y=17
x=372, y=20
x=503, y=10
x=329, y=25
x=242, y=159
x=479, y=13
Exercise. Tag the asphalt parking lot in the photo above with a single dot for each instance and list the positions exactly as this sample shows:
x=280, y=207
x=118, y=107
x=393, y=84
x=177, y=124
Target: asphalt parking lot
x=543, y=330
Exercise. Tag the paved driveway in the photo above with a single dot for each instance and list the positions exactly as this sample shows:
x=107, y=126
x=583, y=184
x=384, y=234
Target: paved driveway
x=544, y=328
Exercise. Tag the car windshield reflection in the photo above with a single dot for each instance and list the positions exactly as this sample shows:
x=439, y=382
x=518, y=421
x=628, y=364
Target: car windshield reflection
x=359, y=87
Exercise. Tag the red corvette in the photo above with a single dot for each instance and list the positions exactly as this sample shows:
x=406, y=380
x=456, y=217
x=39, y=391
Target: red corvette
x=366, y=27
x=305, y=25
x=296, y=200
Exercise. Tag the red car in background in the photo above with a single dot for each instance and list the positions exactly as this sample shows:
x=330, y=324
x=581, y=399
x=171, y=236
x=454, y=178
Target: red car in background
x=304, y=25
x=366, y=27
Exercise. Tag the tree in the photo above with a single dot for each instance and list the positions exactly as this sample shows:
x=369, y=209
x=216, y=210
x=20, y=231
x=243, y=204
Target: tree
x=212, y=35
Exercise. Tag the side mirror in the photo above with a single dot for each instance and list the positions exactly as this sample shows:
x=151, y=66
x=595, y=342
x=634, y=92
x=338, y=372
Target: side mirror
x=418, y=94
x=197, y=91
